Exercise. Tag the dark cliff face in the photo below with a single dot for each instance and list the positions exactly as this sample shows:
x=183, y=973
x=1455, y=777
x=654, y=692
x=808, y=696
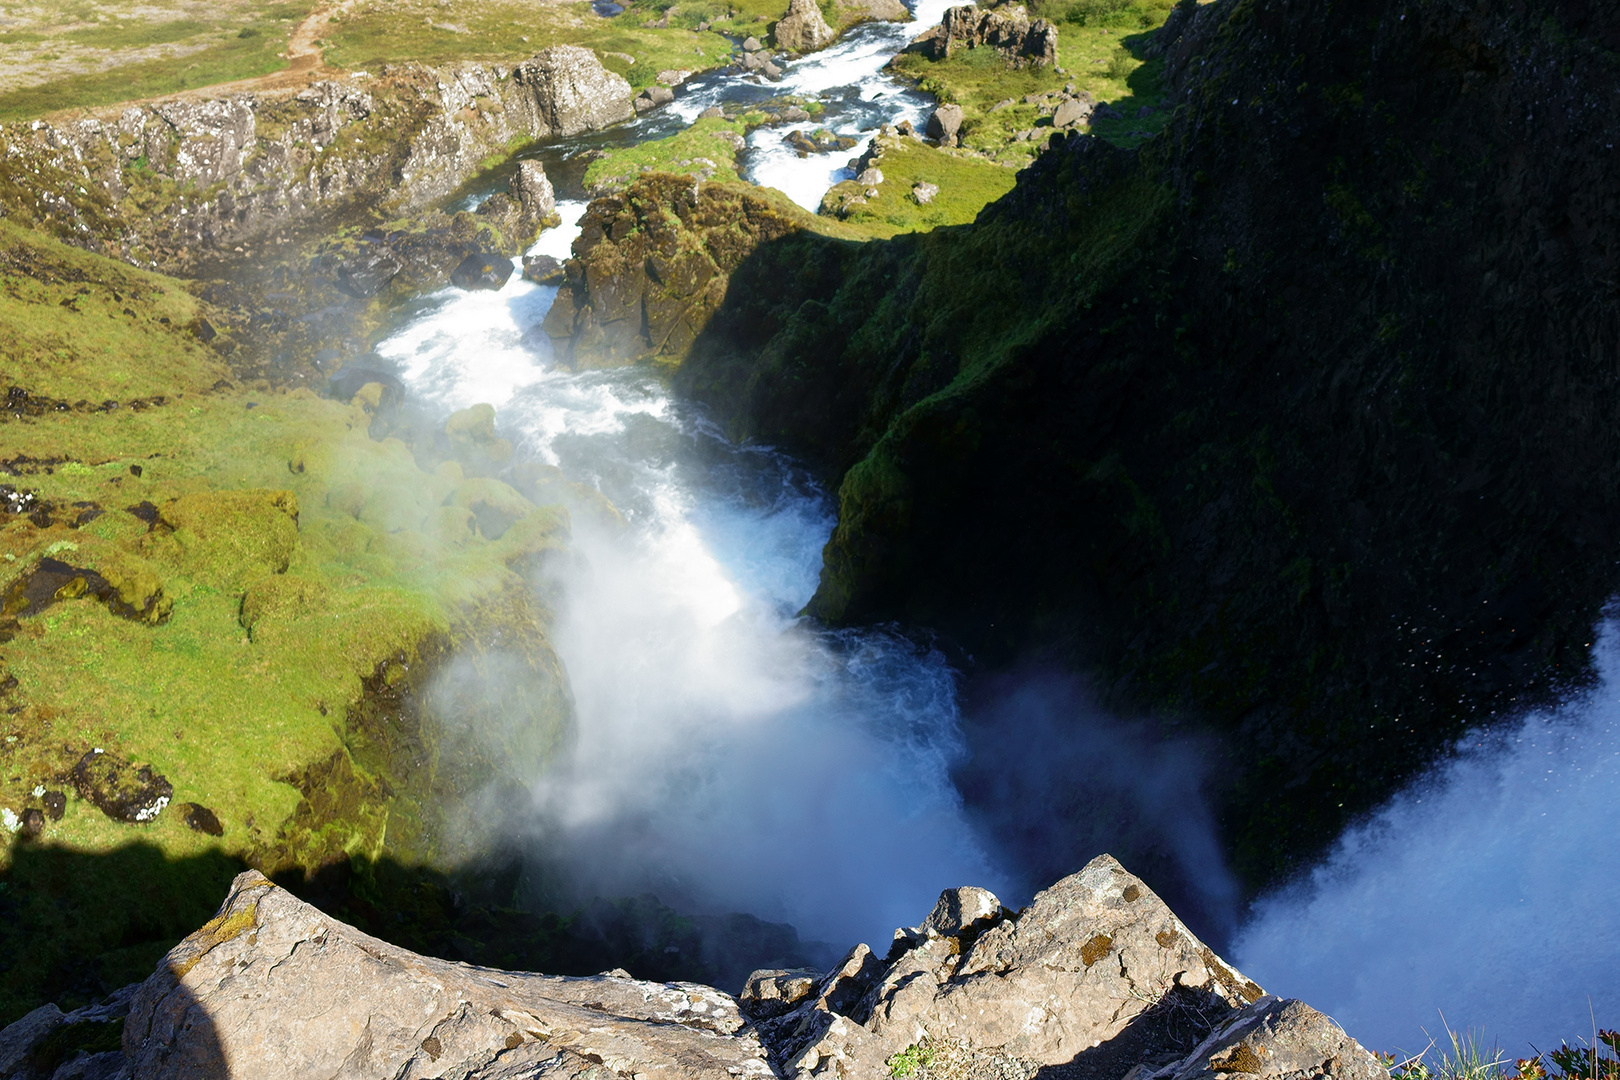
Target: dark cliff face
x=1304, y=421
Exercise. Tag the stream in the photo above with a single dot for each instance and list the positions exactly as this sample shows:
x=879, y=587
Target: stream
x=731, y=757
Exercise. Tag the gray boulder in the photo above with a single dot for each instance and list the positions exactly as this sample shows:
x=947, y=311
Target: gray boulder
x=803, y=29
x=652, y=97
x=532, y=189
x=486, y=270
x=364, y=274
x=1072, y=113
x=944, y=122
x=574, y=91
x=278, y=989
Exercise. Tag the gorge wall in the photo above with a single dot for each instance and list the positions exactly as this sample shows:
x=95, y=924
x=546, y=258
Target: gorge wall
x=1299, y=422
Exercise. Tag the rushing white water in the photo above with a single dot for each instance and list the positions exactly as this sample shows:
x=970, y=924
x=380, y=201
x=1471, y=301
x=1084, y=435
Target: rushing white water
x=727, y=757
x=1488, y=893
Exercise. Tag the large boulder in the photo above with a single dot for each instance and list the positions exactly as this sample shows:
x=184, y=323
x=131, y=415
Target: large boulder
x=858, y=11
x=486, y=270
x=944, y=122
x=574, y=91
x=1009, y=31
x=1097, y=977
x=803, y=29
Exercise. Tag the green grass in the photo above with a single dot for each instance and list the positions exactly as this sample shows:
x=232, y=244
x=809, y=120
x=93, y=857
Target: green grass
x=232, y=57
x=375, y=34
x=679, y=153
x=135, y=34
x=252, y=678
x=1099, y=55
x=966, y=185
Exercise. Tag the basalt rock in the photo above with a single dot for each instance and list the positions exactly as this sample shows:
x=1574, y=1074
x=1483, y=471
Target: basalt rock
x=1008, y=30
x=486, y=270
x=217, y=174
x=1085, y=978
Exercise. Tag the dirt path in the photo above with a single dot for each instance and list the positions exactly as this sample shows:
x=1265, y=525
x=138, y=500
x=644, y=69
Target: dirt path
x=305, y=64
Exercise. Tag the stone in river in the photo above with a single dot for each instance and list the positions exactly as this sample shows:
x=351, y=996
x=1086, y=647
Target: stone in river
x=364, y=274
x=482, y=271
x=752, y=44
x=542, y=269
x=803, y=29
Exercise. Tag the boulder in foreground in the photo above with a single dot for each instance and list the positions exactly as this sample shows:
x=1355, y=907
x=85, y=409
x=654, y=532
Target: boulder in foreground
x=1097, y=973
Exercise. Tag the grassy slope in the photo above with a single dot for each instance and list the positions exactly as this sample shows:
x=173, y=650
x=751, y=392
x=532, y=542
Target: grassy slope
x=235, y=46
x=378, y=567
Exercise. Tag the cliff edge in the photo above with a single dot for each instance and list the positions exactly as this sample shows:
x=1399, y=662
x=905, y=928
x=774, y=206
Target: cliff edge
x=1097, y=978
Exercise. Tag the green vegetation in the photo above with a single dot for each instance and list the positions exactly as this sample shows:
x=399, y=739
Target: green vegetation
x=1099, y=42
x=376, y=33
x=281, y=578
x=1468, y=1059
x=223, y=55
x=708, y=148
x=967, y=184
x=914, y=1059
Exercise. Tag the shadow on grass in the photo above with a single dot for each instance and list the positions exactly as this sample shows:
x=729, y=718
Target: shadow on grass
x=74, y=927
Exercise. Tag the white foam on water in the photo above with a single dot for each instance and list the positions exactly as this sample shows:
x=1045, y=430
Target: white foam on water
x=1488, y=892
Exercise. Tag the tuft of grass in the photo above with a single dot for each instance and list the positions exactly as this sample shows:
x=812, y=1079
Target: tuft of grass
x=911, y=1061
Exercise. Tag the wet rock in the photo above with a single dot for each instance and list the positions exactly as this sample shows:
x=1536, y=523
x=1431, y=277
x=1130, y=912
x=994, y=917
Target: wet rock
x=199, y=818
x=487, y=270
x=364, y=274
x=794, y=115
x=542, y=269
x=471, y=435
x=772, y=992
x=770, y=70
x=1008, y=30
x=652, y=97
x=713, y=112
x=944, y=122
x=133, y=794
x=924, y=192
x=803, y=29
x=532, y=189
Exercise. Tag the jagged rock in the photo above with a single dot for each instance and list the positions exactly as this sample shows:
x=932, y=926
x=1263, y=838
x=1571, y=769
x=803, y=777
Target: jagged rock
x=574, y=91
x=277, y=989
x=1072, y=113
x=1097, y=965
x=124, y=792
x=774, y=991
x=531, y=187
x=1007, y=30
x=944, y=122
x=542, y=269
x=803, y=29
x=367, y=272
x=962, y=910
x=484, y=271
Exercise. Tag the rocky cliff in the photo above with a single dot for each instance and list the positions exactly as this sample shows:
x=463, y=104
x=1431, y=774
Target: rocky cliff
x=1096, y=978
x=165, y=183
x=1299, y=422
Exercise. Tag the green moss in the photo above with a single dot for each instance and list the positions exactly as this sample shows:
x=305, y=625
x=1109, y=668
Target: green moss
x=709, y=147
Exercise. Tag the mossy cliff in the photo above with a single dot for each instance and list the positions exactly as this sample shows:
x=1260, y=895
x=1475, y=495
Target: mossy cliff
x=1298, y=422
x=228, y=615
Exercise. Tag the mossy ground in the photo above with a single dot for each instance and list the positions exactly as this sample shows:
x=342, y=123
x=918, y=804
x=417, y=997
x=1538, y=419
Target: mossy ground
x=708, y=148
x=258, y=672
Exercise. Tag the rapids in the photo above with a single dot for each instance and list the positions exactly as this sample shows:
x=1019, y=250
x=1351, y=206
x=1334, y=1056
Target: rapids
x=732, y=757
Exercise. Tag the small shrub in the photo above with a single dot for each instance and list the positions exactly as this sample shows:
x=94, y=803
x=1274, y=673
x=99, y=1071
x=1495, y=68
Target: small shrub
x=912, y=1060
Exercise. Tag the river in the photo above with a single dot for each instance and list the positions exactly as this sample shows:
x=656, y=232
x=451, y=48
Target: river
x=732, y=757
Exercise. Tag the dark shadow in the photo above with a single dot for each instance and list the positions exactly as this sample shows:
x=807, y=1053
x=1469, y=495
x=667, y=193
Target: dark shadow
x=1166, y=1031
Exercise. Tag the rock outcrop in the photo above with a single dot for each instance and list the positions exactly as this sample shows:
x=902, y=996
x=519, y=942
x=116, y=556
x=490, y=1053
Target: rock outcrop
x=216, y=174
x=803, y=29
x=1088, y=975
x=1008, y=30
